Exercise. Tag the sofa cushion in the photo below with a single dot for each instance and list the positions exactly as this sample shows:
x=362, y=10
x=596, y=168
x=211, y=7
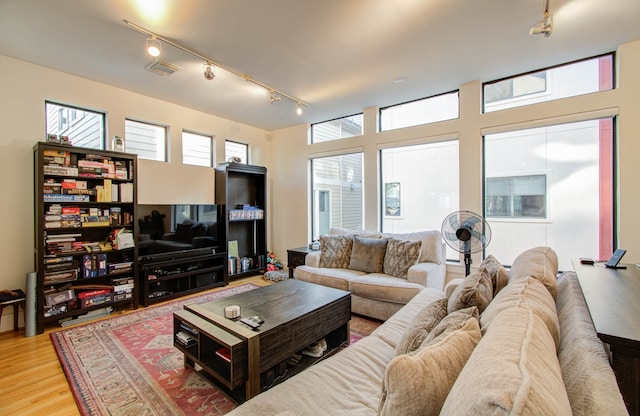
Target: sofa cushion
x=383, y=287
x=431, y=250
x=421, y=325
x=400, y=255
x=539, y=262
x=474, y=290
x=514, y=370
x=452, y=322
x=528, y=293
x=418, y=383
x=335, y=250
x=182, y=232
x=496, y=271
x=336, y=278
x=367, y=254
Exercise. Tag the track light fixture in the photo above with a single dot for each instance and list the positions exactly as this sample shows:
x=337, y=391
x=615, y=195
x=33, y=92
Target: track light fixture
x=545, y=26
x=298, y=109
x=209, y=63
x=153, y=46
x=208, y=71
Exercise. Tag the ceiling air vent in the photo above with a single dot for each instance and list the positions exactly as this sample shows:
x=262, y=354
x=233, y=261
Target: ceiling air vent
x=162, y=68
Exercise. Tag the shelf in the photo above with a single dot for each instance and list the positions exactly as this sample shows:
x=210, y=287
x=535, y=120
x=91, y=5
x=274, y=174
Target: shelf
x=82, y=311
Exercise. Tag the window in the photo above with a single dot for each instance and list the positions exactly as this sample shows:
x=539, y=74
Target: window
x=338, y=196
x=420, y=187
x=576, y=78
x=427, y=110
x=551, y=186
x=235, y=149
x=85, y=128
x=339, y=128
x=147, y=140
x=197, y=149
x=516, y=196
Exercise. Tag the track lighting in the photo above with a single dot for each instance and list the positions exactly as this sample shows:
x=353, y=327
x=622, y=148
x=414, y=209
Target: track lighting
x=153, y=46
x=208, y=71
x=545, y=26
x=274, y=97
x=298, y=109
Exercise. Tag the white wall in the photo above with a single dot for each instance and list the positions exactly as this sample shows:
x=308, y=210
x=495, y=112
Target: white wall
x=291, y=153
x=25, y=87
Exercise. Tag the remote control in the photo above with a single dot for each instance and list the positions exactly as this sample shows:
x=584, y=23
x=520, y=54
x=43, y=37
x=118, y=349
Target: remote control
x=254, y=322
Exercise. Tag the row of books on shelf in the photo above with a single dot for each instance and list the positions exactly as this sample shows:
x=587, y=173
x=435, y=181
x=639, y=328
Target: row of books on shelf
x=107, y=192
x=69, y=268
x=58, y=216
x=65, y=298
x=66, y=163
x=246, y=212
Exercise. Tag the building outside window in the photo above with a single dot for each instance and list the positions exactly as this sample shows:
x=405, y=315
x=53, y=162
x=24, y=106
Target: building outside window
x=148, y=141
x=85, y=128
x=516, y=196
x=197, y=149
x=420, y=187
x=339, y=128
x=338, y=197
x=235, y=149
x=427, y=110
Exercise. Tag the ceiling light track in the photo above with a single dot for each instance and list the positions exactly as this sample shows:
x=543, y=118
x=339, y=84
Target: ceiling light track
x=210, y=62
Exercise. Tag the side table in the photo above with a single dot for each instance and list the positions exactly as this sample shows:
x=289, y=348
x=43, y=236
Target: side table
x=612, y=298
x=13, y=298
x=295, y=258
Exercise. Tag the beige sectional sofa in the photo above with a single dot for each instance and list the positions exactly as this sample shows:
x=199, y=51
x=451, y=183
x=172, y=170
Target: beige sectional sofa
x=517, y=343
x=382, y=271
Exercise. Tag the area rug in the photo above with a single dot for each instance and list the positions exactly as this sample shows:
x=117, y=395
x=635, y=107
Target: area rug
x=127, y=365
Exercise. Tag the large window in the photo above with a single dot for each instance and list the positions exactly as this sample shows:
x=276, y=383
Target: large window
x=576, y=78
x=427, y=110
x=420, y=187
x=551, y=186
x=197, y=149
x=339, y=128
x=235, y=149
x=85, y=128
x=148, y=141
x=337, y=193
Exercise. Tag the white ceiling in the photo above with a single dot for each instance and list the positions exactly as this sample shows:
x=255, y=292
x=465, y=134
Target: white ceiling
x=338, y=56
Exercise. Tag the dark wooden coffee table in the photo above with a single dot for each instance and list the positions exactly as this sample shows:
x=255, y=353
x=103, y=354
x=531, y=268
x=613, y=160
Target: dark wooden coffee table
x=295, y=315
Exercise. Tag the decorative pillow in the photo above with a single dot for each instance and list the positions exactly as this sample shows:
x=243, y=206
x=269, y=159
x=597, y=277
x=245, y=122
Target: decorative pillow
x=475, y=290
x=400, y=255
x=431, y=250
x=418, y=383
x=497, y=272
x=367, y=254
x=421, y=325
x=335, y=251
x=452, y=322
x=539, y=262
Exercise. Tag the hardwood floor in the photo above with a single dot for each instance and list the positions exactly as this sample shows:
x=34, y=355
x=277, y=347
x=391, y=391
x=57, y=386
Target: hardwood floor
x=31, y=378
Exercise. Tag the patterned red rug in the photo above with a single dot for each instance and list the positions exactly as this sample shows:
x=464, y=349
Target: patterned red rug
x=127, y=365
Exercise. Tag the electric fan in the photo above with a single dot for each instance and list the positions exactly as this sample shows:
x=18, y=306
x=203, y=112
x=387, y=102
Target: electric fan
x=466, y=232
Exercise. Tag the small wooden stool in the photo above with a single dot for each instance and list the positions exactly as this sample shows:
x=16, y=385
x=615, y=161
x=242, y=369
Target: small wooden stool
x=16, y=301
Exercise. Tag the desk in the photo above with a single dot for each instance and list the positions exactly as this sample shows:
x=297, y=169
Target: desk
x=613, y=299
x=295, y=258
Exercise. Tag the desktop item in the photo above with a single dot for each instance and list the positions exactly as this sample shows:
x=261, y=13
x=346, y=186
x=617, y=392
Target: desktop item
x=615, y=259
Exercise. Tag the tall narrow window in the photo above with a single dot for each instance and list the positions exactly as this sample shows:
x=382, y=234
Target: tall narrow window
x=147, y=140
x=337, y=193
x=551, y=186
x=197, y=149
x=85, y=128
x=420, y=187
x=339, y=128
x=235, y=149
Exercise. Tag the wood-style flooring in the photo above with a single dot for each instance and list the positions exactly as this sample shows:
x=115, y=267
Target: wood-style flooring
x=32, y=382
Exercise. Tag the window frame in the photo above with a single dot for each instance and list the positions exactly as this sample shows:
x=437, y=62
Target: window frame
x=382, y=109
x=101, y=114
x=246, y=148
x=313, y=126
x=211, y=140
x=165, y=140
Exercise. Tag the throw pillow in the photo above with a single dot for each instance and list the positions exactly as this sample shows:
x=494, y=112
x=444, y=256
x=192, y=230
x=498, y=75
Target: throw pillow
x=335, y=251
x=418, y=383
x=400, y=255
x=452, y=322
x=539, y=262
x=497, y=272
x=367, y=254
x=421, y=325
x=475, y=290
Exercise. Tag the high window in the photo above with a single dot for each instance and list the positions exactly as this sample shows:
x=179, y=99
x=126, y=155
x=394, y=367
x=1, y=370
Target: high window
x=85, y=128
x=420, y=187
x=551, y=186
x=235, y=149
x=339, y=128
x=338, y=196
x=148, y=141
x=197, y=149
x=423, y=111
x=576, y=78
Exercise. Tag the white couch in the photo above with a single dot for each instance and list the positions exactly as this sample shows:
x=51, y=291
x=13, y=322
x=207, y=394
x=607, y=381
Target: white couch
x=377, y=294
x=534, y=351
